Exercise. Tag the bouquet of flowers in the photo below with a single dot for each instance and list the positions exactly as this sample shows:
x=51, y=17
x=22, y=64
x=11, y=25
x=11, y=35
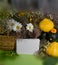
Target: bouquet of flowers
x=25, y=24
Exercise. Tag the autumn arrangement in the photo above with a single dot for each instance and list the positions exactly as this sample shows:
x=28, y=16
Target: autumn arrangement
x=28, y=25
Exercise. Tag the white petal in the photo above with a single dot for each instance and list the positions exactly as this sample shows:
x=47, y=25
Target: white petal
x=28, y=27
x=20, y=26
x=31, y=30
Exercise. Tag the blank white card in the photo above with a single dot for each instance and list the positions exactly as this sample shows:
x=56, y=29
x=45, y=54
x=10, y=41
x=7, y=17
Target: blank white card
x=27, y=46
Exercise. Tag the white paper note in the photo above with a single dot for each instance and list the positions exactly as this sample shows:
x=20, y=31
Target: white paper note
x=27, y=46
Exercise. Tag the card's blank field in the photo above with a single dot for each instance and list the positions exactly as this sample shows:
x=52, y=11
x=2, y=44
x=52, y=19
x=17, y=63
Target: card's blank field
x=27, y=46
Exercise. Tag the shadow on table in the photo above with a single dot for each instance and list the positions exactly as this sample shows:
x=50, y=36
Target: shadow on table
x=47, y=60
x=8, y=55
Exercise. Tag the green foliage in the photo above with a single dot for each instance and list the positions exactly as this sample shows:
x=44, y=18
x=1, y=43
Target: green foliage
x=2, y=27
x=5, y=13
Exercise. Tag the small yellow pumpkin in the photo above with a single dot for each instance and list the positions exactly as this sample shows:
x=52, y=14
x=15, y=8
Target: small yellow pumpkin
x=46, y=25
x=52, y=49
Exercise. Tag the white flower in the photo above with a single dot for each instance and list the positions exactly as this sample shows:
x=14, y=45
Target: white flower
x=30, y=27
x=11, y=23
x=17, y=27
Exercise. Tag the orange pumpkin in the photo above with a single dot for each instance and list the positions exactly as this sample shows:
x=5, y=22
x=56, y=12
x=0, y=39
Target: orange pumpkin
x=53, y=30
x=52, y=49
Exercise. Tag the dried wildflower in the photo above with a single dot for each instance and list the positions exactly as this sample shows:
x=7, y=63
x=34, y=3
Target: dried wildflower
x=11, y=23
x=3, y=27
x=0, y=28
x=17, y=27
x=31, y=19
x=51, y=17
x=30, y=27
x=21, y=13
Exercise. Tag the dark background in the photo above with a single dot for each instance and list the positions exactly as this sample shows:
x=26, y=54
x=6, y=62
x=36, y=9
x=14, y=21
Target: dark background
x=43, y=5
